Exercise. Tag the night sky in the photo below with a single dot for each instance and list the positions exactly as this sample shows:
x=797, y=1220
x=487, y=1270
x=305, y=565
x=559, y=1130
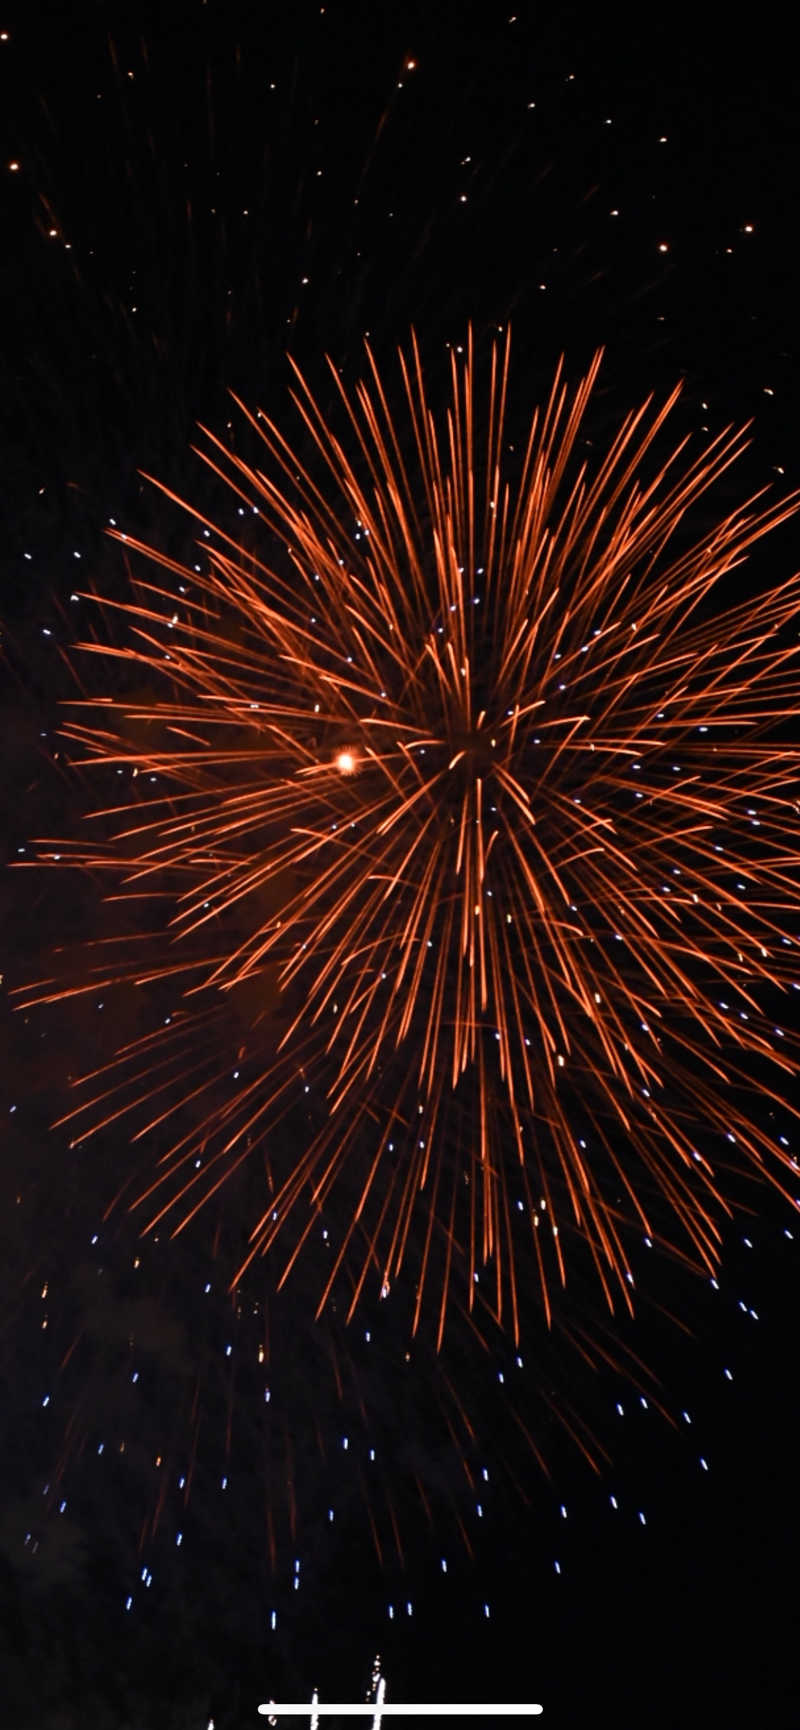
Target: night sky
x=208, y=1499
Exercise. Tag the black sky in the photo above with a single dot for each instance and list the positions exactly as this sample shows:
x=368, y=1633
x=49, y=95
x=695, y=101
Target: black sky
x=189, y=191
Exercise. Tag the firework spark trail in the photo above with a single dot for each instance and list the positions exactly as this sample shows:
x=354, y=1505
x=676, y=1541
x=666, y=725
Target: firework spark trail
x=507, y=768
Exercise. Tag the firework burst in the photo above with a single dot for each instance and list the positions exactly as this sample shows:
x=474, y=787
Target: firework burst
x=462, y=847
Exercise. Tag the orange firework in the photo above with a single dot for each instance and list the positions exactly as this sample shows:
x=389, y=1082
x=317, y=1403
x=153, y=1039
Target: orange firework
x=470, y=840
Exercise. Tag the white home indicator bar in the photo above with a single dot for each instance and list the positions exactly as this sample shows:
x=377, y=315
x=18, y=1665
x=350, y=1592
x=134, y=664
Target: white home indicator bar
x=359, y=1709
